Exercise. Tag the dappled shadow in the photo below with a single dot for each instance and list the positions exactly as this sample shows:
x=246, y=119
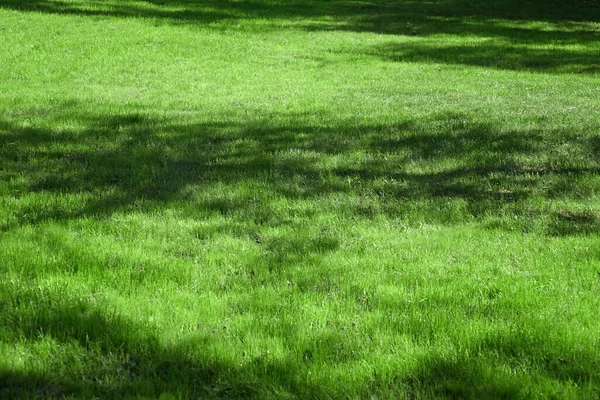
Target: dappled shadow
x=112, y=356
x=373, y=15
x=97, y=352
x=133, y=162
x=550, y=36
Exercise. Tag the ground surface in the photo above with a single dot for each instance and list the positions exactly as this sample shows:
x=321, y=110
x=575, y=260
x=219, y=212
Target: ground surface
x=300, y=199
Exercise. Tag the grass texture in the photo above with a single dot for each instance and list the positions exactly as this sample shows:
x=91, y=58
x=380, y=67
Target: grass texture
x=300, y=199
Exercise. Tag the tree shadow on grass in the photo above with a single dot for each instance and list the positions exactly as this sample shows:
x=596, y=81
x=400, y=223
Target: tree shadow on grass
x=492, y=54
x=567, y=222
x=510, y=33
x=132, y=162
x=99, y=353
x=371, y=16
x=495, y=370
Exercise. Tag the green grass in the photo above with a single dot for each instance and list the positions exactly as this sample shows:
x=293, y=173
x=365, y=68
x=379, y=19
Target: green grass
x=317, y=199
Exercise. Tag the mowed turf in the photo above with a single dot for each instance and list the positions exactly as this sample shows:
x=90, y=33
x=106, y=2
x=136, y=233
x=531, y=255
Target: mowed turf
x=301, y=199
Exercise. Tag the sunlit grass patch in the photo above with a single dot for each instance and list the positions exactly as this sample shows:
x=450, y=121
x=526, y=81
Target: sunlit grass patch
x=299, y=199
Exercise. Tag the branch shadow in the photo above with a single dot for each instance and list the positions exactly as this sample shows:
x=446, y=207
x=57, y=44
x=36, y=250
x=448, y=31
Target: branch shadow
x=133, y=162
x=372, y=15
x=552, y=36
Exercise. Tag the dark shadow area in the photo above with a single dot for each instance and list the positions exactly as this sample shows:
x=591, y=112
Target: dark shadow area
x=484, y=375
x=567, y=222
x=595, y=146
x=513, y=31
x=121, y=358
x=493, y=54
x=371, y=15
x=124, y=163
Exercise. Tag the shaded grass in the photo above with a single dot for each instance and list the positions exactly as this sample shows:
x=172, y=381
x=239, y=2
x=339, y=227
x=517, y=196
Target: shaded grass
x=410, y=327
x=552, y=36
x=415, y=170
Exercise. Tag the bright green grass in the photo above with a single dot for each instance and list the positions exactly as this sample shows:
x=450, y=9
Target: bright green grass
x=300, y=199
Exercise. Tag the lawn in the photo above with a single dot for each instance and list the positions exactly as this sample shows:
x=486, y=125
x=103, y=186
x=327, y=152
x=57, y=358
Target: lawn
x=300, y=199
